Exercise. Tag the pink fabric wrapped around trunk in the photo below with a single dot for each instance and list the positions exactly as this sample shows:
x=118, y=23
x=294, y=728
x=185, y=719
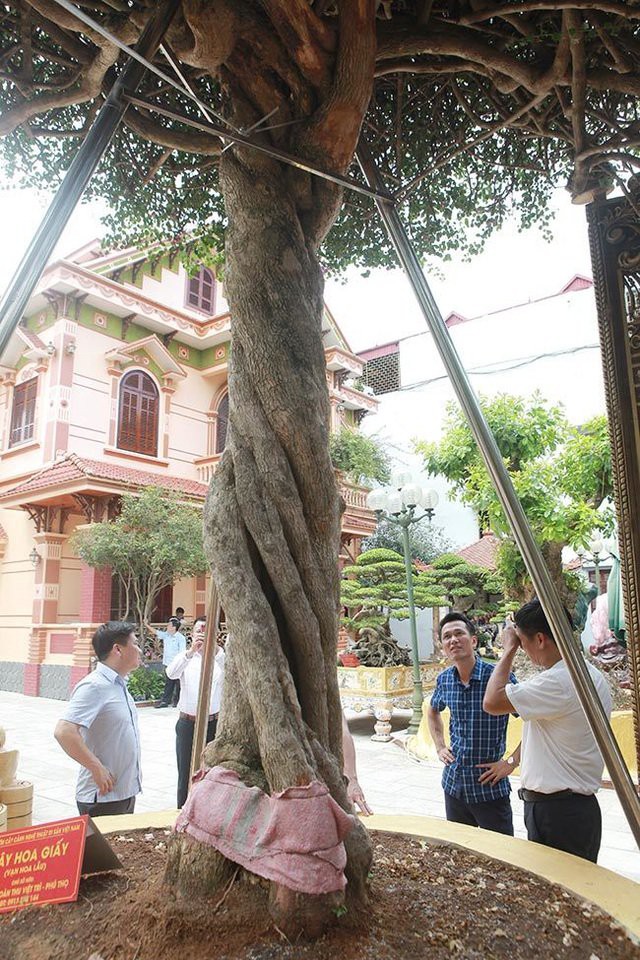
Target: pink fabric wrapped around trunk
x=294, y=837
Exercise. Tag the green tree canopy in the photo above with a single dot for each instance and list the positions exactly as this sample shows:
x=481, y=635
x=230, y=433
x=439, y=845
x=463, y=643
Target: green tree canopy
x=363, y=459
x=466, y=587
x=561, y=473
x=156, y=540
x=476, y=113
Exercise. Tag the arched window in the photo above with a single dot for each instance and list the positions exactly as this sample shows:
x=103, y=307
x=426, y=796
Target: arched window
x=138, y=414
x=23, y=411
x=201, y=291
x=222, y=422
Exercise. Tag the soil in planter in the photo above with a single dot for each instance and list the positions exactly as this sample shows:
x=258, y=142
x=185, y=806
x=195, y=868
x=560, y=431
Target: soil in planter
x=427, y=901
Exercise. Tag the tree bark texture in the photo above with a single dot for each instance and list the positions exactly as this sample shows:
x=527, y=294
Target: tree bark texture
x=272, y=517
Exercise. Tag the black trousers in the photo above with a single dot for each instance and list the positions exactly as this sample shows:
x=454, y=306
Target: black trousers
x=493, y=815
x=109, y=809
x=572, y=824
x=171, y=691
x=184, y=746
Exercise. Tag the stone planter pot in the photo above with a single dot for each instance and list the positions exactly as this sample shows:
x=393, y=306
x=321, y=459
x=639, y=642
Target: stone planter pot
x=18, y=799
x=380, y=690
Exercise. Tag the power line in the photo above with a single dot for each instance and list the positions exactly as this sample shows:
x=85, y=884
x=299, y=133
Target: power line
x=516, y=364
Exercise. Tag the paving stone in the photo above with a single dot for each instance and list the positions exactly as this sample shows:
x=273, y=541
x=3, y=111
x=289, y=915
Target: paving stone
x=391, y=781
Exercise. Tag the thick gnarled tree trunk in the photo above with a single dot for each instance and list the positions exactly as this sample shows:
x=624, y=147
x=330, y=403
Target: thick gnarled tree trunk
x=272, y=522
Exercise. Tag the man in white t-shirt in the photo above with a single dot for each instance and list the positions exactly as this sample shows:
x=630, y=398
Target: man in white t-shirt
x=561, y=766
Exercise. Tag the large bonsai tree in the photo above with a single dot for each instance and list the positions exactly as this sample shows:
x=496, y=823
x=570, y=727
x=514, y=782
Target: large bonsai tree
x=374, y=590
x=470, y=110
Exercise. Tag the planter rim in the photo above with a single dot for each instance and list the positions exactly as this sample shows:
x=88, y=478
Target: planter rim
x=616, y=895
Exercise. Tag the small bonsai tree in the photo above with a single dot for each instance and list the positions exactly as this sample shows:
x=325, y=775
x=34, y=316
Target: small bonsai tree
x=465, y=586
x=469, y=589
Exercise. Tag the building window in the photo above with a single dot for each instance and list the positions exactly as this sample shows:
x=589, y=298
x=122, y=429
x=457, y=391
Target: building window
x=138, y=416
x=23, y=413
x=201, y=291
x=222, y=422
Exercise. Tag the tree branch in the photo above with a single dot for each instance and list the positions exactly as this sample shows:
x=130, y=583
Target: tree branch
x=527, y=6
x=188, y=141
x=309, y=40
x=335, y=128
x=88, y=88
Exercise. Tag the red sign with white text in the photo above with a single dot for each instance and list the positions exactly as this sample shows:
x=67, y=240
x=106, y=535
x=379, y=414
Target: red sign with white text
x=41, y=864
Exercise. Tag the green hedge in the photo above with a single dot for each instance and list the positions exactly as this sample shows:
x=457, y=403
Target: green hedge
x=145, y=684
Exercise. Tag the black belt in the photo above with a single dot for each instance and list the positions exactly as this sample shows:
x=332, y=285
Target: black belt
x=532, y=796
x=190, y=716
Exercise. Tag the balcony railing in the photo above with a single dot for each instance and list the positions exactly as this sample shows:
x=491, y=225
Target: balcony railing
x=206, y=467
x=353, y=495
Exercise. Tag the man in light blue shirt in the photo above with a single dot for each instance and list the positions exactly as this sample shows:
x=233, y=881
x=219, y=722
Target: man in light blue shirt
x=100, y=726
x=173, y=643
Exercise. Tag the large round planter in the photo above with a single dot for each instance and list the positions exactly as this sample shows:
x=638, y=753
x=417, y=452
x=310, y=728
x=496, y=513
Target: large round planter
x=616, y=895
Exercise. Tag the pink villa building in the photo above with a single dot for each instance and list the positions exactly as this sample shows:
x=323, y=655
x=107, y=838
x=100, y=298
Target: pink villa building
x=116, y=379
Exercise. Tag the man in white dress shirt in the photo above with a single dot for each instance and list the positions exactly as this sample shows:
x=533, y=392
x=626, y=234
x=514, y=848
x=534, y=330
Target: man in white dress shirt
x=186, y=667
x=561, y=766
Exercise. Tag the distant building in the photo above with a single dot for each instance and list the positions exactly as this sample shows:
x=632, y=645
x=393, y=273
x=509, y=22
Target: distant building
x=548, y=344
x=116, y=379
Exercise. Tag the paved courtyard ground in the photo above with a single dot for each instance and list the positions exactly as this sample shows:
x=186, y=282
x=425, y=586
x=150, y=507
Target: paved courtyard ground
x=392, y=782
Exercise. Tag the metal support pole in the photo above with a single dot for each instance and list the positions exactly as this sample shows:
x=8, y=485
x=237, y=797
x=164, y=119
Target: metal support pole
x=416, y=716
x=596, y=566
x=206, y=679
x=512, y=507
x=77, y=177
x=237, y=137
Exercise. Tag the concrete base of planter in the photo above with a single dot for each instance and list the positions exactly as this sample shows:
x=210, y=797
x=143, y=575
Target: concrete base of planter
x=380, y=690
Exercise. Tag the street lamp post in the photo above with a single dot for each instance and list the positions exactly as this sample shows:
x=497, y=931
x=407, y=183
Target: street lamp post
x=399, y=505
x=596, y=548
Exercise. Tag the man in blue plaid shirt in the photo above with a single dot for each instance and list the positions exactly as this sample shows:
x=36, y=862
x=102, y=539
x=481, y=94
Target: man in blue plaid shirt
x=475, y=777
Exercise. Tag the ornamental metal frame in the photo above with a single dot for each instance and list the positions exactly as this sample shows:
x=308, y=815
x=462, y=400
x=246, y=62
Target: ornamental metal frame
x=614, y=236
x=92, y=149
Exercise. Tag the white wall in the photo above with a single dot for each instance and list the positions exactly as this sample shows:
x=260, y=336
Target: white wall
x=565, y=324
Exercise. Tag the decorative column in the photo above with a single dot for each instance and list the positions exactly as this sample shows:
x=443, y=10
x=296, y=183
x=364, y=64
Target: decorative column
x=8, y=382
x=168, y=389
x=95, y=594
x=59, y=396
x=334, y=414
x=201, y=596
x=614, y=235
x=82, y=654
x=115, y=371
x=212, y=419
x=47, y=577
x=45, y=605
